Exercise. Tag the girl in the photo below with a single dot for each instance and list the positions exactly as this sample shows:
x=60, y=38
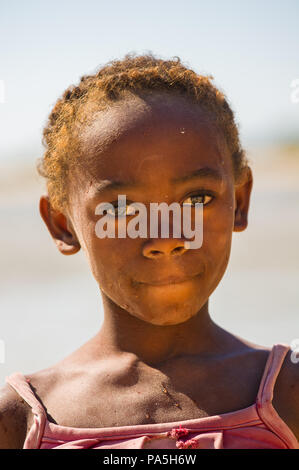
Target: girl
x=159, y=373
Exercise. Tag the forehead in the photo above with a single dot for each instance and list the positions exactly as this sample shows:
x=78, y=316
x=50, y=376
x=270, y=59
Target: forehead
x=140, y=134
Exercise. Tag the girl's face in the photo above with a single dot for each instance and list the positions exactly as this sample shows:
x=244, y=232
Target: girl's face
x=151, y=150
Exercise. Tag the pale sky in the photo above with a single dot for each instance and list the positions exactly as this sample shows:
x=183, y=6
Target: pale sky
x=250, y=47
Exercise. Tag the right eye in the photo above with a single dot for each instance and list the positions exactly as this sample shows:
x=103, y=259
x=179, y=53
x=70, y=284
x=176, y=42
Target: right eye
x=120, y=211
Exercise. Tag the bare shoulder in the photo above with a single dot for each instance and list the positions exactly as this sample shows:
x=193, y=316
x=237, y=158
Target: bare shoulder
x=16, y=415
x=44, y=383
x=14, y=419
x=44, y=380
x=286, y=389
x=65, y=382
x=286, y=392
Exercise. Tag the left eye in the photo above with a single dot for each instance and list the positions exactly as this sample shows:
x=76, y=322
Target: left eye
x=198, y=198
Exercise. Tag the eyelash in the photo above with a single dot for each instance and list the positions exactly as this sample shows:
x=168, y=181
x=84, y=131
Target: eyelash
x=200, y=194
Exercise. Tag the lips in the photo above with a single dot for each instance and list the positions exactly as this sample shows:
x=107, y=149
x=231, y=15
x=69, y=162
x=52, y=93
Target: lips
x=169, y=280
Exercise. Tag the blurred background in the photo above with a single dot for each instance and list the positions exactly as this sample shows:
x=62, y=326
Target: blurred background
x=50, y=303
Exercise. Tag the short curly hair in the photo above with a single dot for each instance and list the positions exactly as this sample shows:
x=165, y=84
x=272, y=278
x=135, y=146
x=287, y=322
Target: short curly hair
x=134, y=74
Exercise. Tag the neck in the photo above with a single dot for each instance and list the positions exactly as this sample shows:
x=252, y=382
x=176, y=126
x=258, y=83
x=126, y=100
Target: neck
x=122, y=332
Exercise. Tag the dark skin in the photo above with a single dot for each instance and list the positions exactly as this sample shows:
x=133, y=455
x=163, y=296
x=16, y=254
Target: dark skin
x=158, y=346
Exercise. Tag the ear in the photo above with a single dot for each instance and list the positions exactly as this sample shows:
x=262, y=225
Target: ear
x=242, y=199
x=59, y=227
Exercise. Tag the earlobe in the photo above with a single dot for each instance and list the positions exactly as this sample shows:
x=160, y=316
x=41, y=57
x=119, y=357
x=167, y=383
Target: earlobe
x=59, y=227
x=242, y=199
x=240, y=222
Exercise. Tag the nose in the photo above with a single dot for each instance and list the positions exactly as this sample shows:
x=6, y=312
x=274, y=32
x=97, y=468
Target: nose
x=157, y=248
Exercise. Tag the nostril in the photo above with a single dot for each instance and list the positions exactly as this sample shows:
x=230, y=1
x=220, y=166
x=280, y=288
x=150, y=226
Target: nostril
x=158, y=248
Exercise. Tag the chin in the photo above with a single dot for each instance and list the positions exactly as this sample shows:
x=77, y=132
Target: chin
x=174, y=297
x=167, y=305
x=168, y=313
x=169, y=318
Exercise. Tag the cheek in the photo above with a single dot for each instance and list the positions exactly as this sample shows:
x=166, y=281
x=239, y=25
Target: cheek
x=108, y=259
x=217, y=238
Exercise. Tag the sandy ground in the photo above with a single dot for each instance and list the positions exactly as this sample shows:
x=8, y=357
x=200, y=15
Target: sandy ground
x=49, y=303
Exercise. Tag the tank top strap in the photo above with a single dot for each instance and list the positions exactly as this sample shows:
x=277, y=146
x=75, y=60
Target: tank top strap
x=22, y=386
x=271, y=371
x=264, y=406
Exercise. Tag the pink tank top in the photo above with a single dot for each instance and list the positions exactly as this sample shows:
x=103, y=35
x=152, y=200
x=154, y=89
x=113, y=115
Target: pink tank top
x=255, y=427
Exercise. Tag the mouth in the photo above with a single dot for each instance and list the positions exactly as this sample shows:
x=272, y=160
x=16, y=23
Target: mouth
x=170, y=280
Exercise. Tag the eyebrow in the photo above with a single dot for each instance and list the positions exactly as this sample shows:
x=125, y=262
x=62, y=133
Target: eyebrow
x=110, y=184
x=204, y=173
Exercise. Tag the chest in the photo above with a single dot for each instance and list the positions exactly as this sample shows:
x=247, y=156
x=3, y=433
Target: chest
x=149, y=397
